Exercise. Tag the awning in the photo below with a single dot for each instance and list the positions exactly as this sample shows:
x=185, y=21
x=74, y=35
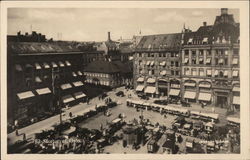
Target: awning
x=201, y=59
x=43, y=91
x=150, y=89
x=221, y=60
x=205, y=85
x=79, y=73
x=235, y=61
x=24, y=95
x=204, y=96
x=78, y=83
x=140, y=79
x=189, y=95
x=78, y=95
x=163, y=63
x=205, y=39
x=163, y=73
x=66, y=86
x=67, y=98
x=18, y=67
x=74, y=74
x=45, y=65
x=61, y=64
x=236, y=89
x=236, y=100
x=174, y=92
x=216, y=72
x=67, y=63
x=190, y=40
x=152, y=63
x=148, y=62
x=28, y=66
x=235, y=73
x=38, y=66
x=186, y=60
x=209, y=72
x=225, y=73
x=54, y=64
x=139, y=88
x=38, y=79
x=234, y=119
x=189, y=84
x=151, y=80
x=208, y=60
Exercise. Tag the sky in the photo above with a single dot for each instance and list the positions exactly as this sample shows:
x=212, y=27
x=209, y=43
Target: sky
x=92, y=24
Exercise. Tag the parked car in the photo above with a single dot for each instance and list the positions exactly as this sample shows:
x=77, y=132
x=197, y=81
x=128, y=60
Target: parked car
x=120, y=94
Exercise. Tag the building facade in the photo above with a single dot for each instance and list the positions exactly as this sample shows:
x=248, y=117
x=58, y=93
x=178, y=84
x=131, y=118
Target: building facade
x=156, y=67
x=210, y=63
x=43, y=77
x=110, y=74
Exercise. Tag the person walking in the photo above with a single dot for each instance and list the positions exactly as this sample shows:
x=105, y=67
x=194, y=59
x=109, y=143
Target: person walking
x=17, y=132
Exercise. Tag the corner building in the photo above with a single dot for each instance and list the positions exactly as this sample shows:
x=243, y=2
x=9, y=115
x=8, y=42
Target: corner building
x=157, y=65
x=210, y=63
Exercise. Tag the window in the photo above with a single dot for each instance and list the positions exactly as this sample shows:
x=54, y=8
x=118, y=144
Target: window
x=172, y=72
x=226, y=52
x=201, y=72
x=172, y=63
x=186, y=71
x=194, y=61
x=201, y=53
x=149, y=72
x=160, y=54
x=164, y=54
x=236, y=51
x=176, y=64
x=176, y=73
x=176, y=54
x=194, y=72
x=226, y=61
x=186, y=52
x=209, y=53
x=216, y=61
x=201, y=61
x=193, y=53
x=153, y=72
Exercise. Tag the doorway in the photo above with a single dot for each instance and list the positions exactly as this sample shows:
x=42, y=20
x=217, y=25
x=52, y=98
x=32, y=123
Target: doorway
x=221, y=101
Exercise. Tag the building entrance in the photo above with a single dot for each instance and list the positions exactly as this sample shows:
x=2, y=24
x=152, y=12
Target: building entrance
x=222, y=101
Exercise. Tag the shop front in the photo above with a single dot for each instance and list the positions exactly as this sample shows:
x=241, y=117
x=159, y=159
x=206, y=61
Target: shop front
x=205, y=92
x=163, y=87
x=150, y=90
x=190, y=91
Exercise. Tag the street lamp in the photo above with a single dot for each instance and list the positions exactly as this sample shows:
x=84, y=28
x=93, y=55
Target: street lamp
x=56, y=92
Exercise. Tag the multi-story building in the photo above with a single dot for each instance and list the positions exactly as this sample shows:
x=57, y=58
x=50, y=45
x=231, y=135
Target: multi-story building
x=42, y=76
x=210, y=63
x=156, y=67
x=108, y=73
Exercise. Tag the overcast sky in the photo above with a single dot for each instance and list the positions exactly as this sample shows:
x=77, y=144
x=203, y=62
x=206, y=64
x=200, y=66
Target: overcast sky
x=93, y=24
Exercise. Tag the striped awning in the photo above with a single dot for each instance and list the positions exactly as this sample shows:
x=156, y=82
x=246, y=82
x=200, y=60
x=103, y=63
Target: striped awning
x=150, y=89
x=236, y=100
x=140, y=79
x=78, y=83
x=163, y=63
x=139, y=88
x=45, y=65
x=54, y=64
x=151, y=80
x=78, y=95
x=189, y=84
x=67, y=63
x=174, y=92
x=25, y=95
x=37, y=65
x=43, y=91
x=204, y=96
x=67, y=99
x=236, y=89
x=163, y=73
x=61, y=64
x=189, y=95
x=208, y=60
x=66, y=86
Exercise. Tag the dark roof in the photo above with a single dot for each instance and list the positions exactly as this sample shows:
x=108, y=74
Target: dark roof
x=101, y=67
x=162, y=42
x=108, y=67
x=110, y=44
x=126, y=47
x=43, y=47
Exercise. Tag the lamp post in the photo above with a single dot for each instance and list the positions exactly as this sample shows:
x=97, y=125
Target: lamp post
x=56, y=92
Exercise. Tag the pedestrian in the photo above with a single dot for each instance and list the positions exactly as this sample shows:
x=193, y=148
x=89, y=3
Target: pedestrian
x=17, y=132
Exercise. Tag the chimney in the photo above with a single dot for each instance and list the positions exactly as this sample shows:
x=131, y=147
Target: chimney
x=224, y=11
x=204, y=23
x=109, y=39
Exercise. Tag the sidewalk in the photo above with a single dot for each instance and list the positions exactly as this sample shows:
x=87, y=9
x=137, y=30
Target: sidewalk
x=48, y=123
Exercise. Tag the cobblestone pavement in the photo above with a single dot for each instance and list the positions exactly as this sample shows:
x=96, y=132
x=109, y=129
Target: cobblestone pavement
x=96, y=121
